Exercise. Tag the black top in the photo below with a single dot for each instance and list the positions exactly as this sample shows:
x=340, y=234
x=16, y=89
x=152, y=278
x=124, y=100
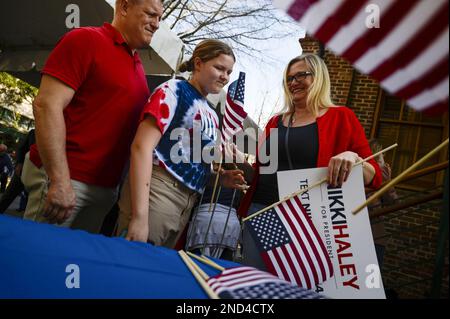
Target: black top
x=303, y=148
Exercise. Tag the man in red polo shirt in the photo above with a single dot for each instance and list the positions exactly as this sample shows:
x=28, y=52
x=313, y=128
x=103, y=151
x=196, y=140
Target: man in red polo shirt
x=92, y=92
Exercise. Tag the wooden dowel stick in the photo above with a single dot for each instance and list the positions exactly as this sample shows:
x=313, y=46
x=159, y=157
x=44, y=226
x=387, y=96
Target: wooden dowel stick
x=206, y=261
x=199, y=270
x=212, y=263
x=215, y=185
x=397, y=179
x=197, y=276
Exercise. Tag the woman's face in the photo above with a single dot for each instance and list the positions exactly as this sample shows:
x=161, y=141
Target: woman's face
x=214, y=74
x=299, y=88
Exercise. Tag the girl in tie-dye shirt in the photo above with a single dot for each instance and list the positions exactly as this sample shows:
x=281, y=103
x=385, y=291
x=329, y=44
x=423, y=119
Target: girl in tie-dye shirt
x=166, y=173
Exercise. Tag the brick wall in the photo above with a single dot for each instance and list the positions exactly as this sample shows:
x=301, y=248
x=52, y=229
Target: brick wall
x=341, y=73
x=409, y=255
x=411, y=242
x=363, y=99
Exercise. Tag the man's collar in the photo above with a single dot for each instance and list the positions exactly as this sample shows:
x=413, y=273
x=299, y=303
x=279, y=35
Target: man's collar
x=117, y=37
x=115, y=34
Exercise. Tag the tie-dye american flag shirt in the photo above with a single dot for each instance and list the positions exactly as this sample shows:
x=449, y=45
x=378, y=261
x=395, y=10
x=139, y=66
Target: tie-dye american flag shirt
x=180, y=112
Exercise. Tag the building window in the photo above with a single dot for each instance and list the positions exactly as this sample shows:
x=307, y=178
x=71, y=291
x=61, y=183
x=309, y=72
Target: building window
x=416, y=135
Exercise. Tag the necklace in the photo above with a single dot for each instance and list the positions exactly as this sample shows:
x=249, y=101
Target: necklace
x=293, y=118
x=305, y=119
x=286, y=141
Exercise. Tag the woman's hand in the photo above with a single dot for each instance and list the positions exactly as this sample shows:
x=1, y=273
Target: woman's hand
x=340, y=166
x=138, y=229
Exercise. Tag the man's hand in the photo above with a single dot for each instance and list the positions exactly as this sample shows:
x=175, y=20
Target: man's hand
x=138, y=229
x=59, y=203
x=48, y=110
x=233, y=179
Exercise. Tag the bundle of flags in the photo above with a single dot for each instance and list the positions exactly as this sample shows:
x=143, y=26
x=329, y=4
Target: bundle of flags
x=402, y=44
x=250, y=283
x=290, y=245
x=234, y=116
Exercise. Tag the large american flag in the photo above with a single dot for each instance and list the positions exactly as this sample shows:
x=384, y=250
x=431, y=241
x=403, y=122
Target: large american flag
x=234, y=116
x=290, y=245
x=408, y=53
x=249, y=283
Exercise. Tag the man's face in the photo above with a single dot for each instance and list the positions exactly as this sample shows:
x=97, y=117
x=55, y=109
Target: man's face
x=142, y=21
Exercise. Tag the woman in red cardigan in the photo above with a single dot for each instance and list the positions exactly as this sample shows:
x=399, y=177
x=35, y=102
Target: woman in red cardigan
x=312, y=132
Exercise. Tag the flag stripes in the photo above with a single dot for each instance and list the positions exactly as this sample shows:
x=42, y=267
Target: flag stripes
x=408, y=53
x=246, y=282
x=234, y=115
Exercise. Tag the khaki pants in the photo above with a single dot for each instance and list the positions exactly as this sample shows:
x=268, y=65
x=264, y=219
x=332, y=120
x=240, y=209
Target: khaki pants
x=170, y=205
x=92, y=202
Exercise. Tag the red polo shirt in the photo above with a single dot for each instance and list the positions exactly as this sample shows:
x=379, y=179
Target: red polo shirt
x=110, y=93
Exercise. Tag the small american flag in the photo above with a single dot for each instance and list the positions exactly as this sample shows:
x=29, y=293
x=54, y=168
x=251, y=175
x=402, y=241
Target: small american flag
x=407, y=51
x=290, y=245
x=234, y=109
x=249, y=283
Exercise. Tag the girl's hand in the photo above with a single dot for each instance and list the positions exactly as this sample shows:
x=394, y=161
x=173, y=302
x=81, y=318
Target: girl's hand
x=233, y=179
x=138, y=229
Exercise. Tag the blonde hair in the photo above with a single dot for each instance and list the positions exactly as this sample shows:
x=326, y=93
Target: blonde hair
x=206, y=50
x=319, y=93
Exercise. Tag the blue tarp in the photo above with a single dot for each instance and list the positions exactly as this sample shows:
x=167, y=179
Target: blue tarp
x=34, y=257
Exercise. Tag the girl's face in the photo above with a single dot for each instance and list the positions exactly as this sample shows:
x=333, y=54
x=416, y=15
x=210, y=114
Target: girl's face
x=211, y=76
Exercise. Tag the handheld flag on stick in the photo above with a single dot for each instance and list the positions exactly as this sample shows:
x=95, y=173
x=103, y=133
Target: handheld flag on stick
x=290, y=245
x=288, y=242
x=234, y=116
x=233, y=122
